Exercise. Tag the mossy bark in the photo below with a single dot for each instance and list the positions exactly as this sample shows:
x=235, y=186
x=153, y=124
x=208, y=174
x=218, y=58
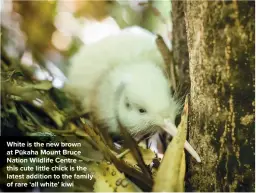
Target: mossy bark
x=220, y=39
x=180, y=47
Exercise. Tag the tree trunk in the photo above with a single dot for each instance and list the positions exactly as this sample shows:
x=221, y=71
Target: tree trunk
x=180, y=47
x=220, y=39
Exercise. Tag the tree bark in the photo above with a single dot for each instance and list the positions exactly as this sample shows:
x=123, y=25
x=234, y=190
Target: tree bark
x=220, y=39
x=180, y=48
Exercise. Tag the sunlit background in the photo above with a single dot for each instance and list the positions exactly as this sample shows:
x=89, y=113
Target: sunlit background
x=48, y=33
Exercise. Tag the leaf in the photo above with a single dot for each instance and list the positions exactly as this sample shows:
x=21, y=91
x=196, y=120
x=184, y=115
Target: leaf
x=135, y=152
x=108, y=178
x=101, y=185
x=171, y=173
x=36, y=95
x=147, y=154
x=144, y=182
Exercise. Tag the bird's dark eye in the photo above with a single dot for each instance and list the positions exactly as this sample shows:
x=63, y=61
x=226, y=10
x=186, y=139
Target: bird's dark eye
x=127, y=105
x=141, y=110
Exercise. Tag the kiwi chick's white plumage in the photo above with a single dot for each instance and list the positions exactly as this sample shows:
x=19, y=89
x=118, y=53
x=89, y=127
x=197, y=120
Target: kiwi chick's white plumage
x=133, y=60
x=90, y=64
x=144, y=102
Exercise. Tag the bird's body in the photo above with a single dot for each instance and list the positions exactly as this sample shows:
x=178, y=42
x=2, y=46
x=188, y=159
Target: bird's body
x=131, y=60
x=92, y=62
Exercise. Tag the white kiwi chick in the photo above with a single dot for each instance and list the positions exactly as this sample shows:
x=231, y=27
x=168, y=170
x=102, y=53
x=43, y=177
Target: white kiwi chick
x=132, y=62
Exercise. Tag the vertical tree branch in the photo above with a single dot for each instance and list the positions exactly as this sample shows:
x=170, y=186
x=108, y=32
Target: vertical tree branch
x=221, y=60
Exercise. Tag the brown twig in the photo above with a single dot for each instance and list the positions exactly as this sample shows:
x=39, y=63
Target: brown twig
x=167, y=57
x=145, y=181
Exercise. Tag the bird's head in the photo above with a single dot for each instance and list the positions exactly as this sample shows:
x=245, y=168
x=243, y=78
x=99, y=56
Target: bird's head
x=145, y=101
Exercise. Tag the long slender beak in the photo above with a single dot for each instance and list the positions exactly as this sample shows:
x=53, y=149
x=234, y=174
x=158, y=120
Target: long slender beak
x=170, y=128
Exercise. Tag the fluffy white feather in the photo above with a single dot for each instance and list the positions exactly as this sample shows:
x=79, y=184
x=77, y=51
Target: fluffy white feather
x=132, y=59
x=93, y=61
